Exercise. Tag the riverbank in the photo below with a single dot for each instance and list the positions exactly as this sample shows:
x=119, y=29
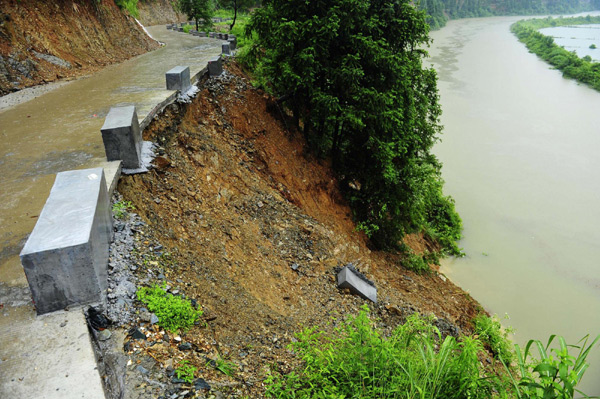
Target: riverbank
x=583, y=70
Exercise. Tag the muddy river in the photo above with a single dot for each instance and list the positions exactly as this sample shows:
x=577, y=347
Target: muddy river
x=520, y=153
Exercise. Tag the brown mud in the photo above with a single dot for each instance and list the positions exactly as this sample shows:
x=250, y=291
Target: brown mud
x=44, y=41
x=255, y=227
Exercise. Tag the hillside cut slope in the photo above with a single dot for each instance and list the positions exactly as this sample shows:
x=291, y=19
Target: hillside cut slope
x=42, y=41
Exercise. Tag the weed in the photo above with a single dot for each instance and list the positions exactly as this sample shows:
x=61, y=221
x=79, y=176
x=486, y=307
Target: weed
x=491, y=333
x=121, y=208
x=551, y=376
x=358, y=361
x=185, y=371
x=225, y=367
x=173, y=312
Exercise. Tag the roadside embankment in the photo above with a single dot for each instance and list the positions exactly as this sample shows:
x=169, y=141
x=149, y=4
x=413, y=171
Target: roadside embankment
x=42, y=41
x=159, y=12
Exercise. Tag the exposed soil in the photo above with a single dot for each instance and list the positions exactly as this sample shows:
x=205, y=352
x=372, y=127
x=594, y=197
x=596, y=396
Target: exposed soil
x=255, y=227
x=158, y=12
x=43, y=41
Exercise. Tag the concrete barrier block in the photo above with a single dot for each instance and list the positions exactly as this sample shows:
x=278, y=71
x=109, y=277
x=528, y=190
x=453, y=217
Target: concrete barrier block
x=211, y=35
x=349, y=278
x=178, y=78
x=202, y=34
x=122, y=136
x=169, y=26
x=215, y=66
x=232, y=43
x=66, y=256
x=225, y=49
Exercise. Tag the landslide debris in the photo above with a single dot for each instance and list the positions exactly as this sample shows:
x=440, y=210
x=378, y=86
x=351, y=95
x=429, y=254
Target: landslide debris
x=253, y=228
x=42, y=41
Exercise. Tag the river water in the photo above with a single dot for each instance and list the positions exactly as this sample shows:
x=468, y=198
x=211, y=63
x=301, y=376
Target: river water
x=577, y=38
x=521, y=158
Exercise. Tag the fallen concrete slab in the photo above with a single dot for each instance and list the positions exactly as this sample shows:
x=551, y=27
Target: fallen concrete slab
x=65, y=258
x=349, y=278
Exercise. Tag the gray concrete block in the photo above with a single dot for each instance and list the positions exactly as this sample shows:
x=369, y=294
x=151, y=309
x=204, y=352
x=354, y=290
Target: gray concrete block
x=202, y=34
x=211, y=34
x=178, y=78
x=66, y=256
x=225, y=49
x=348, y=278
x=232, y=43
x=122, y=136
x=169, y=26
x=112, y=174
x=215, y=66
x=220, y=36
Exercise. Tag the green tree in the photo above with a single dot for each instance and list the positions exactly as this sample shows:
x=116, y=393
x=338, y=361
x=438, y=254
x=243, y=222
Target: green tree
x=351, y=71
x=199, y=10
x=237, y=5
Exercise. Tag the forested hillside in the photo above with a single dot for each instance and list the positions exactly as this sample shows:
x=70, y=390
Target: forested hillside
x=441, y=11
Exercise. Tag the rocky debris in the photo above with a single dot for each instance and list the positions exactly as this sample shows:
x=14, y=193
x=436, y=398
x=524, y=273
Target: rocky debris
x=53, y=60
x=96, y=319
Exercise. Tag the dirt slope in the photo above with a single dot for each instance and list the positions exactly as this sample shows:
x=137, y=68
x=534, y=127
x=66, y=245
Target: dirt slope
x=256, y=228
x=158, y=12
x=42, y=41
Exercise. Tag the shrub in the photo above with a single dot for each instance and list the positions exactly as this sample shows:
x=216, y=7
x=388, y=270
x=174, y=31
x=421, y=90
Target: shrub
x=173, y=312
x=130, y=6
x=491, y=333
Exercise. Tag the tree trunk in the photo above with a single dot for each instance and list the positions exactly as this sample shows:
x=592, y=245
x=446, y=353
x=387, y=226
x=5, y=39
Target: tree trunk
x=235, y=7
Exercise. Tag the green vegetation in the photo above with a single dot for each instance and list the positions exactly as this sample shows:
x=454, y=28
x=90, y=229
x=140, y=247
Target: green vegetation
x=174, y=313
x=185, y=371
x=130, y=6
x=551, y=377
x=351, y=75
x=121, y=208
x=200, y=11
x=439, y=11
x=236, y=6
x=583, y=70
x=490, y=332
x=358, y=361
x=593, y=46
x=225, y=367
